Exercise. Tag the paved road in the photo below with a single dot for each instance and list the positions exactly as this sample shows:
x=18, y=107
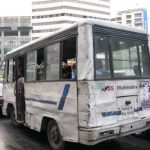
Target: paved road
x=12, y=138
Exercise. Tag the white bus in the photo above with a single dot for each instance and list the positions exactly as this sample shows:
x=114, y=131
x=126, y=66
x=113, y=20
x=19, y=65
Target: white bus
x=107, y=98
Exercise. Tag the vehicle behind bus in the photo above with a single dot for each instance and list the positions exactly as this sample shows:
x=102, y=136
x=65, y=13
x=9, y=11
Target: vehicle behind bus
x=87, y=83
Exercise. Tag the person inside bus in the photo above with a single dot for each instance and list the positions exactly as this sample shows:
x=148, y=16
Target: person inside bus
x=40, y=70
x=99, y=69
x=74, y=71
x=66, y=71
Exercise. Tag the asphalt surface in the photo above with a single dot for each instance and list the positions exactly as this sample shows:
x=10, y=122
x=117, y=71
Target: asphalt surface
x=22, y=138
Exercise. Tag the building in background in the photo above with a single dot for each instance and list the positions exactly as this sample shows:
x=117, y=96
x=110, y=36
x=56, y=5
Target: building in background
x=14, y=32
x=135, y=17
x=51, y=15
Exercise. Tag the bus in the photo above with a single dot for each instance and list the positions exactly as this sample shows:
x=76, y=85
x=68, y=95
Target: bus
x=86, y=83
x=1, y=89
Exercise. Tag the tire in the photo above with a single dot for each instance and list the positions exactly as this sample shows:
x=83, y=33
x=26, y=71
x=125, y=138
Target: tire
x=12, y=117
x=54, y=137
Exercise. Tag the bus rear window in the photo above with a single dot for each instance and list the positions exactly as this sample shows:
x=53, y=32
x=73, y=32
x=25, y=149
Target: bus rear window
x=124, y=57
x=121, y=58
x=144, y=59
x=101, y=57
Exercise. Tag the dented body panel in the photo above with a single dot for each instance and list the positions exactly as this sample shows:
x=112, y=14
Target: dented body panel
x=53, y=100
x=108, y=109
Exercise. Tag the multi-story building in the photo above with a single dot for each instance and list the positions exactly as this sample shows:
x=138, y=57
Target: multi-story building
x=14, y=31
x=51, y=15
x=135, y=17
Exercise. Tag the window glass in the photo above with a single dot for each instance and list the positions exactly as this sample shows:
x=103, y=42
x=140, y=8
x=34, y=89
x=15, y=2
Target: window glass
x=144, y=59
x=52, y=62
x=125, y=58
x=31, y=66
x=14, y=69
x=40, y=64
x=10, y=71
x=7, y=70
x=101, y=57
x=20, y=67
x=68, y=59
x=31, y=58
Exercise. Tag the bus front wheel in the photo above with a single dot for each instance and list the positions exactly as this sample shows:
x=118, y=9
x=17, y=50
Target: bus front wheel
x=54, y=137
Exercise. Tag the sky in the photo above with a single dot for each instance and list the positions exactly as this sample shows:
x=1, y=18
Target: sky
x=15, y=7
x=23, y=7
x=118, y=5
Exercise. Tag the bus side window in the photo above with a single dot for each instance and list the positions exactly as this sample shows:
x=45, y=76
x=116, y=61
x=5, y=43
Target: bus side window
x=10, y=71
x=31, y=66
x=14, y=70
x=53, y=62
x=40, y=64
x=68, y=59
x=6, y=71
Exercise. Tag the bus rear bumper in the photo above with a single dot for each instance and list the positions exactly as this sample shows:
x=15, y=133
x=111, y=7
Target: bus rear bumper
x=96, y=135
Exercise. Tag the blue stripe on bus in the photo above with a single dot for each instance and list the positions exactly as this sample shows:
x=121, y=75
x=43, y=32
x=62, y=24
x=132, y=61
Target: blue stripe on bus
x=63, y=97
x=41, y=101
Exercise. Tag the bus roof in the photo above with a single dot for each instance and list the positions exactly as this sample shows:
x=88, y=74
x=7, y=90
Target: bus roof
x=86, y=21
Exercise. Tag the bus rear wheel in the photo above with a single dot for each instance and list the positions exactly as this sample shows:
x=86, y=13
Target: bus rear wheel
x=54, y=137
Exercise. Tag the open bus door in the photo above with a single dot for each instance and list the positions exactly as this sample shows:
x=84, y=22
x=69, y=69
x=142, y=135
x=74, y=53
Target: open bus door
x=19, y=88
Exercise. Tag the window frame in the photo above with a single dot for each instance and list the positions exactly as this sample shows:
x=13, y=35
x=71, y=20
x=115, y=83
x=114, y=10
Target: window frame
x=61, y=57
x=46, y=53
x=110, y=57
x=12, y=69
x=26, y=55
x=57, y=39
x=127, y=42
x=112, y=77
